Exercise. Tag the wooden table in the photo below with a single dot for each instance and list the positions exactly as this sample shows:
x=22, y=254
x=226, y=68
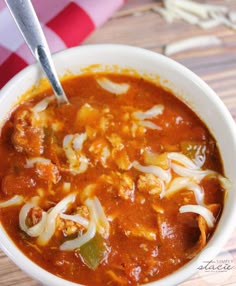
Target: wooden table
x=215, y=65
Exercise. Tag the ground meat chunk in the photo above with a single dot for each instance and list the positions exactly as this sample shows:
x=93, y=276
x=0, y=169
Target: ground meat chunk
x=126, y=187
x=48, y=172
x=121, y=183
x=69, y=227
x=121, y=159
x=27, y=137
x=115, y=141
x=150, y=183
x=83, y=211
x=13, y=184
x=35, y=215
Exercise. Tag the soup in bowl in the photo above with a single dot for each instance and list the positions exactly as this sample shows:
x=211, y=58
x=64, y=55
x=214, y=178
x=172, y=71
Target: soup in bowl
x=126, y=185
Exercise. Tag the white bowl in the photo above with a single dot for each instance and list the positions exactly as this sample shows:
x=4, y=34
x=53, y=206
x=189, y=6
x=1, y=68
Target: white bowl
x=186, y=85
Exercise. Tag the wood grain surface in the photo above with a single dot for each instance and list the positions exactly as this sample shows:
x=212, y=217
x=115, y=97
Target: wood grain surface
x=135, y=24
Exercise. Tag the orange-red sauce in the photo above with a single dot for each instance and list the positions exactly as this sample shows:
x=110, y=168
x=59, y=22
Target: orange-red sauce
x=132, y=259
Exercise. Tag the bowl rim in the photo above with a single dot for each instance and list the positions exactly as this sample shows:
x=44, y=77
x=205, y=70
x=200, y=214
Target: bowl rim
x=38, y=273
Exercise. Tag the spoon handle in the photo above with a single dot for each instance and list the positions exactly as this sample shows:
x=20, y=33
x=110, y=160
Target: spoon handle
x=28, y=23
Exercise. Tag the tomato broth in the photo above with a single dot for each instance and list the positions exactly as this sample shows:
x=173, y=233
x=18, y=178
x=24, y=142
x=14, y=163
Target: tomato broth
x=122, y=186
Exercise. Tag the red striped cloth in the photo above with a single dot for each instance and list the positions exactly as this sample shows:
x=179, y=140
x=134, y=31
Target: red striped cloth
x=65, y=23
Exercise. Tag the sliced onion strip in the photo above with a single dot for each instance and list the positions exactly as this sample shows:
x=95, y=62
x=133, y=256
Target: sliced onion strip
x=192, y=7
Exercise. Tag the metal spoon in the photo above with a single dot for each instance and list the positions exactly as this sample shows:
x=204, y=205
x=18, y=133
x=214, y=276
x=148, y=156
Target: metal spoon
x=28, y=23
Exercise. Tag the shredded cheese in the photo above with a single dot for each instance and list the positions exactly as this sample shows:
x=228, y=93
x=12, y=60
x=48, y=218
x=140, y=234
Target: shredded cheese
x=203, y=211
x=190, y=43
x=140, y=118
x=14, y=201
x=198, y=175
x=43, y=104
x=150, y=113
x=185, y=183
x=50, y=225
x=98, y=222
x=182, y=159
x=203, y=15
x=76, y=218
x=149, y=124
x=80, y=240
x=98, y=214
x=184, y=15
x=31, y=161
x=35, y=230
x=113, y=87
x=168, y=15
x=232, y=16
x=164, y=175
x=72, y=145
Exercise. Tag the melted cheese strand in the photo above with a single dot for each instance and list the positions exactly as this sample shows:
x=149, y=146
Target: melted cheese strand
x=98, y=214
x=50, y=226
x=72, y=145
x=155, y=170
x=14, y=201
x=150, y=113
x=149, y=124
x=182, y=159
x=197, y=175
x=31, y=161
x=204, y=212
x=76, y=218
x=79, y=140
x=43, y=104
x=112, y=87
x=81, y=240
x=186, y=183
x=36, y=229
x=98, y=222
